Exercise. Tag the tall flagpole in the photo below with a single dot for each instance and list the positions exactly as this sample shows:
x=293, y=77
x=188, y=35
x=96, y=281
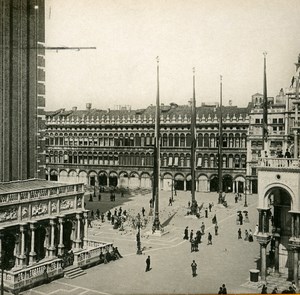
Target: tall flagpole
x=156, y=223
x=265, y=108
x=220, y=162
x=194, y=205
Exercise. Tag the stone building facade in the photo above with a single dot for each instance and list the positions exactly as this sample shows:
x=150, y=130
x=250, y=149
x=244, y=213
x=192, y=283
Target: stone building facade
x=115, y=147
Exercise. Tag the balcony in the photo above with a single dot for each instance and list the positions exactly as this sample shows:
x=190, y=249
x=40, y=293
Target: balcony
x=279, y=163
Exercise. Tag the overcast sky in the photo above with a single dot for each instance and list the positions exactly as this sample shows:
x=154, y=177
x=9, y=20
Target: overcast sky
x=225, y=37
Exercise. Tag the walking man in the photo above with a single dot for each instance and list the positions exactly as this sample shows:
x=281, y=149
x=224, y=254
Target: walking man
x=148, y=264
x=216, y=229
x=203, y=228
x=170, y=201
x=191, y=235
x=186, y=233
x=239, y=233
x=194, y=268
x=143, y=211
x=209, y=239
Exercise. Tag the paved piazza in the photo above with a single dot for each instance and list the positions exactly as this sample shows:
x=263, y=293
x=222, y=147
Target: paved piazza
x=227, y=260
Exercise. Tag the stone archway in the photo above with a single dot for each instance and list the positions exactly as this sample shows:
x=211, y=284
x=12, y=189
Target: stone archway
x=214, y=184
x=279, y=222
x=227, y=183
x=102, y=179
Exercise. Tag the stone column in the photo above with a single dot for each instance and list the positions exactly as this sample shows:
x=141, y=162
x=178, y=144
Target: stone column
x=52, y=235
x=77, y=241
x=184, y=185
x=295, y=265
x=61, y=232
x=22, y=257
x=263, y=257
x=85, y=237
x=32, y=254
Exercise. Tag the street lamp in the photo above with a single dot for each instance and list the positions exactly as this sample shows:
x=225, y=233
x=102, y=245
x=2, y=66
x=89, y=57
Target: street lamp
x=246, y=189
x=138, y=235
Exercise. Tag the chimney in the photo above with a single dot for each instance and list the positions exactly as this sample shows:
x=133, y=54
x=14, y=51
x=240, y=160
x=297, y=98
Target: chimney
x=88, y=106
x=74, y=109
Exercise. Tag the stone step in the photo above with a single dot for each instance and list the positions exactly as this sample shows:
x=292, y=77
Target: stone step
x=73, y=272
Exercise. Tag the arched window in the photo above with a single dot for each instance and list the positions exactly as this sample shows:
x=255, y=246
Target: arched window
x=188, y=139
x=206, y=140
x=237, y=140
x=200, y=140
x=171, y=143
x=165, y=140
x=182, y=140
x=176, y=139
x=212, y=140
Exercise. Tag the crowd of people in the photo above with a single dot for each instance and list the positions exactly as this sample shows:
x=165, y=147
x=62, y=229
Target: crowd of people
x=292, y=289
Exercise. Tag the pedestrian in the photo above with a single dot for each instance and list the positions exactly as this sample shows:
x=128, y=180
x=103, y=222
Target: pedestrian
x=108, y=215
x=214, y=219
x=102, y=217
x=148, y=264
x=116, y=212
x=209, y=207
x=191, y=235
x=189, y=204
x=150, y=203
x=224, y=290
x=206, y=213
x=216, y=229
x=209, y=239
x=275, y=291
x=98, y=213
x=186, y=233
x=250, y=239
x=198, y=236
x=241, y=218
x=92, y=214
x=143, y=211
x=170, y=201
x=246, y=236
x=239, y=234
x=264, y=289
x=90, y=222
x=194, y=268
x=99, y=197
x=202, y=228
x=236, y=198
x=220, y=290
x=246, y=217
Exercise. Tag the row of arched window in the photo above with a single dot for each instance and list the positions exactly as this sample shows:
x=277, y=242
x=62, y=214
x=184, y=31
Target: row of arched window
x=211, y=140
x=146, y=159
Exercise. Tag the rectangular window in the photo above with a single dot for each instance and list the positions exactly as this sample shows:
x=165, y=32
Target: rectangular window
x=280, y=120
x=274, y=121
x=257, y=121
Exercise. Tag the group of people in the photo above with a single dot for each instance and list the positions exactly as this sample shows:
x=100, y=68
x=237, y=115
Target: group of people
x=291, y=290
x=222, y=289
x=240, y=218
x=248, y=235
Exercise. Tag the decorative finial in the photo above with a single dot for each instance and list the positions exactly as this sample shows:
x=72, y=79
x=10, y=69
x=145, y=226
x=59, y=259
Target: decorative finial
x=221, y=77
x=157, y=59
x=265, y=53
x=193, y=70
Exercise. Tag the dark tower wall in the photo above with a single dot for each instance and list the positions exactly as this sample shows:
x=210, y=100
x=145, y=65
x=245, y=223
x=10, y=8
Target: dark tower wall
x=22, y=89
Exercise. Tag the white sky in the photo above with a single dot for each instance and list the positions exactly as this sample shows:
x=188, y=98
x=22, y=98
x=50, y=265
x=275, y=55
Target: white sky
x=225, y=37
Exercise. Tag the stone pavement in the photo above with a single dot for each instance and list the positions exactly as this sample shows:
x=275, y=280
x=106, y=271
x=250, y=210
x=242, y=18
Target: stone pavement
x=227, y=260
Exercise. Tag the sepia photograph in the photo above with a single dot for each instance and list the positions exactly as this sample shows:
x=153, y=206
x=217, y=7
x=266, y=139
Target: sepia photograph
x=149, y=147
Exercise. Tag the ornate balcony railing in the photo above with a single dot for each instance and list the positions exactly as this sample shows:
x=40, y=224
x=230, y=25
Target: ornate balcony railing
x=279, y=162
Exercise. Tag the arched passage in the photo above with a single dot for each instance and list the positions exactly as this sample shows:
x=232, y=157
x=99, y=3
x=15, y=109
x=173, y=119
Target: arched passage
x=227, y=183
x=102, y=179
x=279, y=220
x=214, y=184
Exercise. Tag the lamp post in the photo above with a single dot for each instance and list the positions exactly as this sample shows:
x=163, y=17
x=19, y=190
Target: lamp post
x=246, y=189
x=138, y=235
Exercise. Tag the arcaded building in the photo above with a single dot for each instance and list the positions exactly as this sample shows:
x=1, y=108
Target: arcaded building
x=115, y=147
